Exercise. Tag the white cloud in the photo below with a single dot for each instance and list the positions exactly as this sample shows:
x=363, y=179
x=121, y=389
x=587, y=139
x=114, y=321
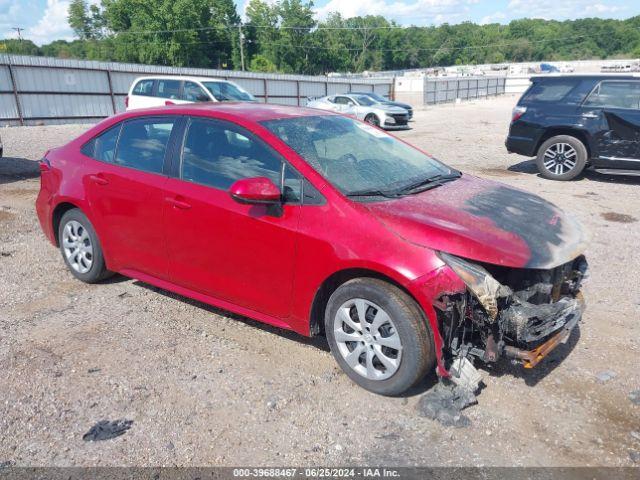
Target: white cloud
x=554, y=9
x=496, y=17
x=53, y=25
x=405, y=12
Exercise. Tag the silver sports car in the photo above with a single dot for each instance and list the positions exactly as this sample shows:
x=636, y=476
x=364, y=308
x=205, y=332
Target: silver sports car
x=364, y=108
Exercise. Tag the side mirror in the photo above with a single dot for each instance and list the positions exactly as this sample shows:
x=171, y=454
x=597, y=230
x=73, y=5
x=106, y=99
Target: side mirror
x=257, y=190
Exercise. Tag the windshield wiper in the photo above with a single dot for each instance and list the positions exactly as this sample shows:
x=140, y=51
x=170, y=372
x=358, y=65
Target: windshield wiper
x=372, y=193
x=427, y=183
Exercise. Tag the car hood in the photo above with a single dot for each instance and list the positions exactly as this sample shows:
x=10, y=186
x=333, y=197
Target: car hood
x=406, y=106
x=389, y=108
x=485, y=221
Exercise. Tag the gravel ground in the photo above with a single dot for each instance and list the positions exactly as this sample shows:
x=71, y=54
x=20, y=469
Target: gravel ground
x=203, y=387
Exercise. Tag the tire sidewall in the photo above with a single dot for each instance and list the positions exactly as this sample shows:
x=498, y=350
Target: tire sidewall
x=414, y=364
x=372, y=119
x=581, y=157
x=97, y=271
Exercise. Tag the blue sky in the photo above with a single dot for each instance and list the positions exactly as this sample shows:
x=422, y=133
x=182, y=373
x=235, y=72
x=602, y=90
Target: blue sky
x=45, y=20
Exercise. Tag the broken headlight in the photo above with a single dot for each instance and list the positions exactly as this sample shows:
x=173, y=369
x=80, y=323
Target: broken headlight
x=479, y=282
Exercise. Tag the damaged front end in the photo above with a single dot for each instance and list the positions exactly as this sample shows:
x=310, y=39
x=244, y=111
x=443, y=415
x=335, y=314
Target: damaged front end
x=517, y=313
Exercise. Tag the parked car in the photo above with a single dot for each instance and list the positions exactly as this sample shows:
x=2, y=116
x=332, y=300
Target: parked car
x=321, y=224
x=580, y=121
x=157, y=91
x=364, y=108
x=385, y=101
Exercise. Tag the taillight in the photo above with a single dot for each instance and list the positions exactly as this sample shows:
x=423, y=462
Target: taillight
x=126, y=101
x=517, y=113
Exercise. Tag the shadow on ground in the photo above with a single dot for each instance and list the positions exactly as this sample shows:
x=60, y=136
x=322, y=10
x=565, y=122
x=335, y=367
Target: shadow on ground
x=15, y=169
x=529, y=166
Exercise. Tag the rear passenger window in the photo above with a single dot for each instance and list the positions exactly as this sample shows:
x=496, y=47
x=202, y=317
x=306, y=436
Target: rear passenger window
x=143, y=87
x=549, y=91
x=616, y=94
x=217, y=154
x=168, y=89
x=103, y=147
x=143, y=143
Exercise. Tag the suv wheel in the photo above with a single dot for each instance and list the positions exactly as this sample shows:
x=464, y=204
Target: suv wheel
x=379, y=336
x=80, y=247
x=561, y=158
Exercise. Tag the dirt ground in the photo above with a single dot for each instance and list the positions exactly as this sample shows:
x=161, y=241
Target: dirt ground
x=203, y=387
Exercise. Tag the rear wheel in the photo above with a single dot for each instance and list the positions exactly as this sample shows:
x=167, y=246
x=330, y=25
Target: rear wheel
x=81, y=248
x=372, y=119
x=562, y=157
x=379, y=336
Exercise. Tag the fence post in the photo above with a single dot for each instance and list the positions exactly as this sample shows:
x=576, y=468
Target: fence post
x=15, y=92
x=266, y=91
x=298, y=91
x=113, y=100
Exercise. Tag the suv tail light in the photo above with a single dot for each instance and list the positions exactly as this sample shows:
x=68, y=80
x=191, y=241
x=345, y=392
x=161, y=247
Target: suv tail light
x=517, y=113
x=126, y=101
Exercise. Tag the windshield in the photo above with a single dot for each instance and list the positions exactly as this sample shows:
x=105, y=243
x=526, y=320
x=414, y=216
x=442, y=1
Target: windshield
x=379, y=98
x=354, y=156
x=364, y=100
x=228, y=92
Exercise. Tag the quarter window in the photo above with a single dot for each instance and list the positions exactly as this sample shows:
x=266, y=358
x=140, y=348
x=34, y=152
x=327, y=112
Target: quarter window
x=217, y=154
x=142, y=144
x=168, y=89
x=549, y=90
x=103, y=147
x=618, y=94
x=143, y=87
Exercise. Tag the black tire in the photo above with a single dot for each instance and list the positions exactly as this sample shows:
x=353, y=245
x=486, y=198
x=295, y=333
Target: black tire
x=579, y=164
x=372, y=119
x=98, y=270
x=417, y=349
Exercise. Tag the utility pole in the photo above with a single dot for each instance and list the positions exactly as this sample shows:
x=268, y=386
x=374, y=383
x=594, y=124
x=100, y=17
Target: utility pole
x=19, y=30
x=241, y=40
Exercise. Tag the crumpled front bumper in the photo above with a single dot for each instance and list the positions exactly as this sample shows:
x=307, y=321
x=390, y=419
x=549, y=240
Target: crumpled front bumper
x=565, y=322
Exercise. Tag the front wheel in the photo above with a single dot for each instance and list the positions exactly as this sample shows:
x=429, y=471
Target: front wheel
x=372, y=119
x=562, y=157
x=379, y=336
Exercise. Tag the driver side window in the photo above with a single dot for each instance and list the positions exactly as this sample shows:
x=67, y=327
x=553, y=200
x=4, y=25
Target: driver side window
x=192, y=92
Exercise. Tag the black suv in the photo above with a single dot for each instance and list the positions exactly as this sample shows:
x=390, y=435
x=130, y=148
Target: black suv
x=575, y=121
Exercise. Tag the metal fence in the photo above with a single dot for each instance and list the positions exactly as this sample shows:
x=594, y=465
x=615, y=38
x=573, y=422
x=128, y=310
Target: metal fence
x=441, y=90
x=43, y=90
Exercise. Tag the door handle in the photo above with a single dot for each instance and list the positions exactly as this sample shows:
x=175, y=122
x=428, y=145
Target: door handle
x=178, y=203
x=590, y=115
x=99, y=180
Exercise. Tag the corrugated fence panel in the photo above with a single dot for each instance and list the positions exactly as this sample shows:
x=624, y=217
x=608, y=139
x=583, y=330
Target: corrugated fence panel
x=334, y=88
x=64, y=90
x=8, y=108
x=5, y=80
x=312, y=89
x=57, y=105
x=29, y=79
x=438, y=90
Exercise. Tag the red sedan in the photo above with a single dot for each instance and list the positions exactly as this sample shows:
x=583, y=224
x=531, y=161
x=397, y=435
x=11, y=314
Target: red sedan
x=321, y=224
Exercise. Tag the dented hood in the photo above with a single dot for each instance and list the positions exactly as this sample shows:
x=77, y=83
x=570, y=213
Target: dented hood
x=485, y=221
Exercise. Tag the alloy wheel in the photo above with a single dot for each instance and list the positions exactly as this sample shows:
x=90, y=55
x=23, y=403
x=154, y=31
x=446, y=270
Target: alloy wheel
x=77, y=246
x=367, y=339
x=560, y=158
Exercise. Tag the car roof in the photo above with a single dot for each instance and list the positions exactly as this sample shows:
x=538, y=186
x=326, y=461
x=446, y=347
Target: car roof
x=254, y=112
x=180, y=77
x=589, y=76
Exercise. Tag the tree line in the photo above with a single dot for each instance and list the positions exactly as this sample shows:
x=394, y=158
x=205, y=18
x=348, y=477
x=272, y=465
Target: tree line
x=284, y=36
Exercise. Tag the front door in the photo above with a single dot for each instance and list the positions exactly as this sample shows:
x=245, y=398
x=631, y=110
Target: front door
x=125, y=188
x=243, y=254
x=615, y=106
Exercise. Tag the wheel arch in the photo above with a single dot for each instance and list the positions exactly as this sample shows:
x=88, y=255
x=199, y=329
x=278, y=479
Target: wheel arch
x=333, y=282
x=56, y=216
x=570, y=131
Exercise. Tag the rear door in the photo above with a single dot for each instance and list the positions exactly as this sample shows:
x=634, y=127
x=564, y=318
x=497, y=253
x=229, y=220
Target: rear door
x=125, y=183
x=168, y=92
x=243, y=254
x=615, y=106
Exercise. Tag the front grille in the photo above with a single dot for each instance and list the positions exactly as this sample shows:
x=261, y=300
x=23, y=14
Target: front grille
x=400, y=118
